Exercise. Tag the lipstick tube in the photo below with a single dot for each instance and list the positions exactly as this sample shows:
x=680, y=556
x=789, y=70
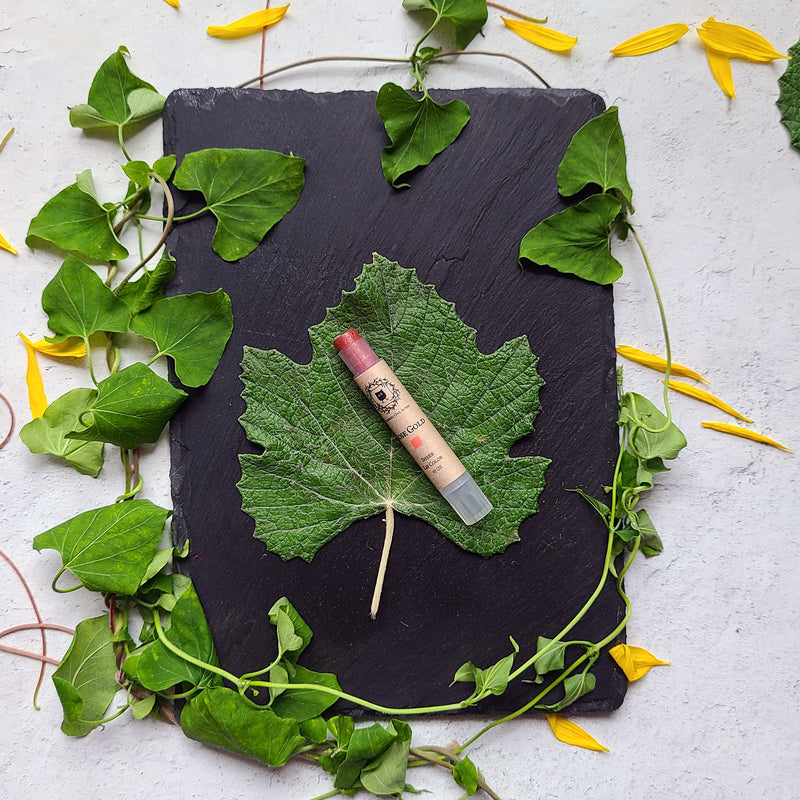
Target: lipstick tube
x=413, y=428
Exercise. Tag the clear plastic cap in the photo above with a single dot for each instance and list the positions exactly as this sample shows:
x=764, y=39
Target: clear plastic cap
x=467, y=499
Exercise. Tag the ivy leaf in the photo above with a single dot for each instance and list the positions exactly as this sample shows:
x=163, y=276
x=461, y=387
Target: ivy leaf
x=419, y=129
x=140, y=294
x=465, y=774
x=553, y=657
x=575, y=686
x=577, y=240
x=492, y=679
x=303, y=704
x=108, y=549
x=789, y=98
x=132, y=407
x=388, y=775
x=467, y=16
x=650, y=435
x=248, y=191
x=79, y=303
x=294, y=634
x=222, y=717
x=75, y=221
x=48, y=433
x=157, y=668
x=86, y=677
x=596, y=156
x=329, y=459
x=117, y=97
x=192, y=329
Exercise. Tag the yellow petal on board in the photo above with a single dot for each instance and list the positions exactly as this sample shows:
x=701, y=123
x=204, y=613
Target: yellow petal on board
x=735, y=41
x=745, y=433
x=173, y=3
x=706, y=397
x=721, y=70
x=635, y=662
x=570, y=733
x=246, y=26
x=73, y=347
x=541, y=36
x=33, y=378
x=652, y=40
x=6, y=245
x=657, y=363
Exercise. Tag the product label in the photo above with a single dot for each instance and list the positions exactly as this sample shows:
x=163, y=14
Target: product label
x=410, y=424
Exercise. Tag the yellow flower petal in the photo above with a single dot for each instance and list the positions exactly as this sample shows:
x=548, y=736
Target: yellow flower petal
x=252, y=23
x=657, y=363
x=33, y=378
x=635, y=662
x=745, y=433
x=706, y=397
x=721, y=70
x=173, y=3
x=68, y=348
x=541, y=36
x=735, y=41
x=6, y=245
x=570, y=733
x=652, y=40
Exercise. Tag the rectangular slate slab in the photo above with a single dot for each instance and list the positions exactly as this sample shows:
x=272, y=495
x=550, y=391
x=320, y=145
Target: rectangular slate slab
x=459, y=225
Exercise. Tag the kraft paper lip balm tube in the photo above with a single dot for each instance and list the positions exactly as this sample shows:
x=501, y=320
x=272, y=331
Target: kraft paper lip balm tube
x=413, y=428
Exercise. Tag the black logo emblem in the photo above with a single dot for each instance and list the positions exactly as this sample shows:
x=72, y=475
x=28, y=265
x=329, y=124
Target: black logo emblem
x=383, y=394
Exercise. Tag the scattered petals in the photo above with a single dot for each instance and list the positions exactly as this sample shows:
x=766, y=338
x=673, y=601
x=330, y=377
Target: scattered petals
x=541, y=36
x=246, y=26
x=734, y=41
x=6, y=245
x=721, y=70
x=706, y=397
x=33, y=378
x=570, y=733
x=635, y=662
x=745, y=433
x=657, y=363
x=73, y=347
x=652, y=40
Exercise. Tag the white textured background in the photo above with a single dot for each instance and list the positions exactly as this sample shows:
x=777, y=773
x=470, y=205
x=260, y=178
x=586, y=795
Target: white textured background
x=717, y=194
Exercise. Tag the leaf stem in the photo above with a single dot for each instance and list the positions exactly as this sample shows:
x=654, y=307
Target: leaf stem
x=516, y=13
x=437, y=57
x=168, y=222
x=387, y=546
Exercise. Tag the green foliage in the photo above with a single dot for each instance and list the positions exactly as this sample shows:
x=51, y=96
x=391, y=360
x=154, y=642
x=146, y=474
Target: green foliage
x=327, y=465
x=79, y=303
x=191, y=329
x=789, y=98
x=492, y=680
x=248, y=191
x=132, y=407
x=466, y=16
x=85, y=678
x=222, y=717
x=48, y=433
x=140, y=294
x=116, y=98
x=74, y=220
x=108, y=549
x=577, y=240
x=418, y=128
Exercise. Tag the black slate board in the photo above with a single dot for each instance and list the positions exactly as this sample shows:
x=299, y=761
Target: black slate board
x=459, y=226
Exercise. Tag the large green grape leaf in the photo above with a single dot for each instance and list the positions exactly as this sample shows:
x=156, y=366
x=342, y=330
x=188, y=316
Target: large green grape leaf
x=789, y=98
x=329, y=459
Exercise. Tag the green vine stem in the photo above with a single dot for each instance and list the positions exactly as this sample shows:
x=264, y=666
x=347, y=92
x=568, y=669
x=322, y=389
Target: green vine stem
x=379, y=59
